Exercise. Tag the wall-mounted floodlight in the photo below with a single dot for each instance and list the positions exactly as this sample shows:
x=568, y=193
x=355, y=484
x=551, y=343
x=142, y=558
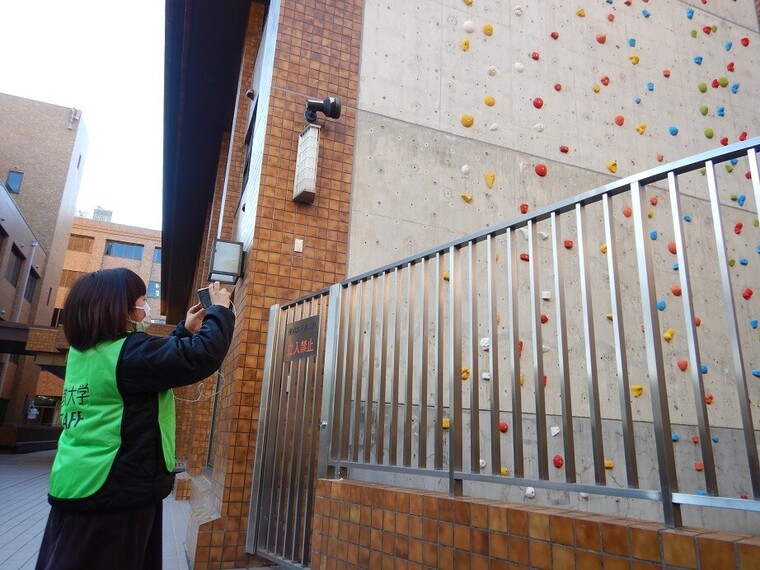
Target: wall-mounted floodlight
x=305, y=182
x=330, y=106
x=226, y=261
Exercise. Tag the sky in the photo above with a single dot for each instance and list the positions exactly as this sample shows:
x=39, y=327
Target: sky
x=107, y=59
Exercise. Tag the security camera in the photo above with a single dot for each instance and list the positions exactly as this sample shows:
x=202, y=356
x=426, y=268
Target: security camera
x=330, y=106
x=251, y=94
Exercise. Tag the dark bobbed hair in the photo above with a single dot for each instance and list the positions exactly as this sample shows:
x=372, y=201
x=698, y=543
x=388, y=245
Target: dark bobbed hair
x=98, y=305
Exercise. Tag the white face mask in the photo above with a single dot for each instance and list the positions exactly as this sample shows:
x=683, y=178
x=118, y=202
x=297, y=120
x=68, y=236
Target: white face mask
x=142, y=326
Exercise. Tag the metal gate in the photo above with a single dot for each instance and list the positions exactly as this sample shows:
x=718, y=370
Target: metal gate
x=285, y=467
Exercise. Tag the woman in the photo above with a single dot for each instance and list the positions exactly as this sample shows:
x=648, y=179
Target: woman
x=115, y=458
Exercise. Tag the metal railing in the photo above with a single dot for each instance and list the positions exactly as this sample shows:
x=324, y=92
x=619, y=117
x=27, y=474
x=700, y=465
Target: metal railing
x=466, y=362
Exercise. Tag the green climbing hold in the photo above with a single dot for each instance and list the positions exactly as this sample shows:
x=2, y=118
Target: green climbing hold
x=729, y=169
x=723, y=81
x=709, y=133
x=702, y=87
x=731, y=262
x=693, y=33
x=703, y=109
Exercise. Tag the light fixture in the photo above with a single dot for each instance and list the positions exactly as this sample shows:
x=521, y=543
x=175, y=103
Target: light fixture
x=305, y=183
x=226, y=261
x=330, y=106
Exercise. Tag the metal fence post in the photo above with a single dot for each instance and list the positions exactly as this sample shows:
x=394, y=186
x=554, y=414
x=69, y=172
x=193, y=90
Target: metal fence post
x=328, y=386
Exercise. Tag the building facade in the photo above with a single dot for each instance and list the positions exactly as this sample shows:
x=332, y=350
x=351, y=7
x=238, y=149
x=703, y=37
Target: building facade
x=94, y=245
x=455, y=116
x=42, y=154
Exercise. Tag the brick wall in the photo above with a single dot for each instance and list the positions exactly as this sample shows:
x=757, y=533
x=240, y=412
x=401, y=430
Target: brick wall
x=359, y=525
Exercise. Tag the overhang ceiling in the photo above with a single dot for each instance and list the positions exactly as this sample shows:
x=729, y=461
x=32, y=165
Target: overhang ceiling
x=204, y=45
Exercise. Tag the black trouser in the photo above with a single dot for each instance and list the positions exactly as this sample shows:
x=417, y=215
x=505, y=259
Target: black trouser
x=128, y=540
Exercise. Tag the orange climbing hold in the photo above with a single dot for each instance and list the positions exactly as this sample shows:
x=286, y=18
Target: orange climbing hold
x=627, y=212
x=683, y=365
x=709, y=398
x=676, y=290
x=619, y=120
x=672, y=248
x=697, y=321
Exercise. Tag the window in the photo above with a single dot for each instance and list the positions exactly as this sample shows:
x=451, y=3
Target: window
x=13, y=270
x=57, y=317
x=68, y=277
x=157, y=255
x=154, y=289
x=13, y=182
x=31, y=286
x=122, y=249
x=81, y=243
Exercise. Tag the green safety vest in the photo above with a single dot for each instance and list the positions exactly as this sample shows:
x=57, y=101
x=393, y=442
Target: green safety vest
x=92, y=410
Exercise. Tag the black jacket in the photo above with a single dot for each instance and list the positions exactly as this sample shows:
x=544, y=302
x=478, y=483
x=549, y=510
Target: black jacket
x=148, y=365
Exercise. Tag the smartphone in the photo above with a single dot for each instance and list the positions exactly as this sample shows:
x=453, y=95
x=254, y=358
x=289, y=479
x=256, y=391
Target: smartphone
x=205, y=297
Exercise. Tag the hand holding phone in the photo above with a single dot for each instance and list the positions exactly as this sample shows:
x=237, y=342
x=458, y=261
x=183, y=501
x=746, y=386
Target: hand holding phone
x=204, y=297
x=214, y=294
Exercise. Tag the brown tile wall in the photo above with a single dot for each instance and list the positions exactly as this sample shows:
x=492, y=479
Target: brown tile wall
x=358, y=525
x=306, y=65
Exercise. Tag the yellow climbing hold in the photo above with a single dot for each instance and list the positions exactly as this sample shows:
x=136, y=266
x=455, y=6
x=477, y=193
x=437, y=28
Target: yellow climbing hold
x=467, y=120
x=609, y=464
x=488, y=30
x=504, y=472
x=637, y=390
x=468, y=2
x=489, y=177
x=445, y=275
x=581, y=13
x=467, y=198
x=612, y=166
x=597, y=88
x=668, y=334
x=489, y=100
x=445, y=423
x=465, y=45
x=640, y=128
x=650, y=213
x=522, y=379
x=609, y=316
x=603, y=248
x=498, y=318
x=634, y=59
x=465, y=372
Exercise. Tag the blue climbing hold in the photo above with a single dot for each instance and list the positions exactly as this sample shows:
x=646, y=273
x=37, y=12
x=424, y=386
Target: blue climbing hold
x=637, y=100
x=729, y=45
x=653, y=235
x=756, y=373
x=690, y=13
x=661, y=305
x=632, y=42
x=675, y=266
x=673, y=130
x=703, y=369
x=742, y=198
x=753, y=323
x=720, y=111
x=609, y=1
x=734, y=88
x=698, y=60
x=650, y=87
x=743, y=261
x=702, y=492
x=734, y=161
x=715, y=439
x=646, y=13
x=687, y=218
x=674, y=436
x=757, y=249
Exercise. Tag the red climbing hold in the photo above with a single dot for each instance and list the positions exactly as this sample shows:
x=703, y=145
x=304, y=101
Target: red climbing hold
x=619, y=120
x=653, y=200
x=610, y=17
x=604, y=80
x=524, y=257
x=695, y=439
x=555, y=35
x=558, y=87
x=743, y=136
x=544, y=319
x=738, y=228
x=672, y=248
x=523, y=208
x=660, y=158
x=707, y=30
x=564, y=149
x=558, y=461
x=715, y=83
x=745, y=41
x=535, y=55
x=538, y=102
x=503, y=427
x=568, y=244
x=683, y=364
x=730, y=66
x=697, y=321
x=748, y=175
x=666, y=73
x=747, y=294
x=709, y=398
x=699, y=466
x=676, y=290
x=627, y=212
x=601, y=38
x=724, y=141
x=541, y=169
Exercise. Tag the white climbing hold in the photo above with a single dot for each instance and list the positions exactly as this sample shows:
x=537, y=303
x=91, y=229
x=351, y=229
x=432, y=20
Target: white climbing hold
x=539, y=127
x=517, y=11
x=465, y=169
x=546, y=295
x=493, y=127
x=543, y=235
x=530, y=493
x=584, y=496
x=492, y=70
x=485, y=343
x=554, y=430
x=519, y=67
x=469, y=26
x=486, y=375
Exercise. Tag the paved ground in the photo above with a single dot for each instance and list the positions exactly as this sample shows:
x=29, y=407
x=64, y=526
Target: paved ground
x=24, y=510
